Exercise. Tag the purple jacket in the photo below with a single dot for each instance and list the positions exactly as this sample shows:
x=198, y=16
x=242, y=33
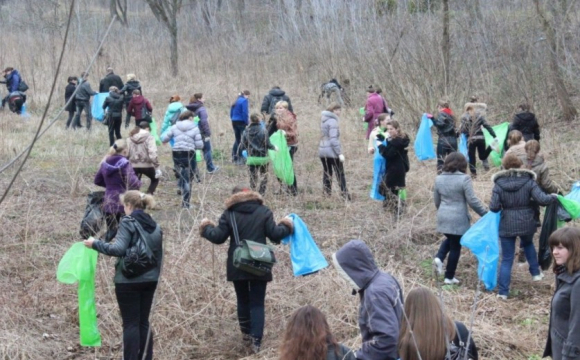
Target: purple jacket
x=374, y=107
x=117, y=176
x=199, y=110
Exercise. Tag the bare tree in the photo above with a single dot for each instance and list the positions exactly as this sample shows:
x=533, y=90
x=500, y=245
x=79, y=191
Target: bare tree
x=568, y=110
x=119, y=8
x=166, y=12
x=446, y=44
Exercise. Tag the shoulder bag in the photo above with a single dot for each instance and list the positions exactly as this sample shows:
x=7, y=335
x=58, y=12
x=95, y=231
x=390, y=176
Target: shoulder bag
x=139, y=257
x=250, y=256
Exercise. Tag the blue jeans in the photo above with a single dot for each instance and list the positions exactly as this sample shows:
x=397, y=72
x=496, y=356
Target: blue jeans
x=186, y=166
x=207, y=155
x=239, y=127
x=508, y=249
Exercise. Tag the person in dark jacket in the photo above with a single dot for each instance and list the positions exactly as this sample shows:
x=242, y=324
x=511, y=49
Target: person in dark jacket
x=526, y=122
x=429, y=330
x=239, y=113
x=137, y=107
x=68, y=93
x=256, y=142
x=330, y=151
x=111, y=79
x=83, y=101
x=196, y=106
x=472, y=125
x=563, y=336
x=381, y=301
x=308, y=337
x=256, y=222
x=131, y=85
x=445, y=125
x=274, y=96
x=117, y=176
x=113, y=105
x=512, y=193
x=395, y=153
x=15, y=98
x=135, y=295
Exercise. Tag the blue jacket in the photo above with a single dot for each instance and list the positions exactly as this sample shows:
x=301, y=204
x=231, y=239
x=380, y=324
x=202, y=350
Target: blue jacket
x=13, y=81
x=239, y=111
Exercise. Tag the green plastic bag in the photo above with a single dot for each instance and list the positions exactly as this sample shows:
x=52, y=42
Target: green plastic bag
x=153, y=126
x=402, y=194
x=571, y=206
x=501, y=131
x=281, y=159
x=257, y=161
x=363, y=112
x=198, y=156
x=78, y=265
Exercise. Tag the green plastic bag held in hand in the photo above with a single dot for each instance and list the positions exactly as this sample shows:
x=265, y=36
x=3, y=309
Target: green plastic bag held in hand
x=571, y=206
x=281, y=159
x=501, y=131
x=153, y=126
x=78, y=265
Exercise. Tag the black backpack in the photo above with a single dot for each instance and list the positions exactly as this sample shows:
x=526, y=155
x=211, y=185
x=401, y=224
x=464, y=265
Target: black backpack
x=22, y=87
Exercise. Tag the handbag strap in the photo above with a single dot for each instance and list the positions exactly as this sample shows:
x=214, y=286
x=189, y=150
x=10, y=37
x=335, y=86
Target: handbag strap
x=235, y=228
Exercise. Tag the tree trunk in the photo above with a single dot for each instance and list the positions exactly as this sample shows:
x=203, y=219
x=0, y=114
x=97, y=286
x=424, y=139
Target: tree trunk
x=173, y=52
x=446, y=45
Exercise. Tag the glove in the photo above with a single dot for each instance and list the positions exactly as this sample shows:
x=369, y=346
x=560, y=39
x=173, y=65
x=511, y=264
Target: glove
x=157, y=174
x=429, y=116
x=381, y=137
x=275, y=148
x=283, y=132
x=206, y=139
x=495, y=145
x=341, y=158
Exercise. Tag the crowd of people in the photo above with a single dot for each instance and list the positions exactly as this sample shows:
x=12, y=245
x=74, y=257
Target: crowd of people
x=391, y=325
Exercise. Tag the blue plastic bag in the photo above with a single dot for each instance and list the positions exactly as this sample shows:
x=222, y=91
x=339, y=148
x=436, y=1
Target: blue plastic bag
x=23, y=112
x=305, y=255
x=97, y=106
x=483, y=241
x=424, y=142
x=380, y=166
x=574, y=193
x=463, y=146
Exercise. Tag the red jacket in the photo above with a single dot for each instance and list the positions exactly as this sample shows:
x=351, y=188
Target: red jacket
x=374, y=107
x=135, y=107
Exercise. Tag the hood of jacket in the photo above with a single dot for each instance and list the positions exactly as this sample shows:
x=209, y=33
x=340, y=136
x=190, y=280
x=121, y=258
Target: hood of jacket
x=114, y=95
x=145, y=220
x=114, y=163
x=327, y=115
x=244, y=201
x=525, y=117
x=185, y=125
x=355, y=262
x=140, y=137
x=512, y=180
x=174, y=106
x=194, y=106
x=133, y=84
x=277, y=92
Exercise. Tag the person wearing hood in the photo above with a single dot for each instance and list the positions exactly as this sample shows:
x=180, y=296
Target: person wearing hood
x=113, y=105
x=374, y=107
x=445, y=125
x=197, y=107
x=472, y=124
x=381, y=301
x=15, y=97
x=274, y=96
x=254, y=221
x=135, y=294
x=256, y=142
x=83, y=101
x=143, y=155
x=239, y=113
x=397, y=159
x=526, y=122
x=68, y=93
x=187, y=137
x=330, y=151
x=174, y=110
x=138, y=106
x=131, y=85
x=111, y=79
x=117, y=176
x=512, y=193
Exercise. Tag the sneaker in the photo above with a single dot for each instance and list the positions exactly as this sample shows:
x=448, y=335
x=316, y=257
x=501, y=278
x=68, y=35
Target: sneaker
x=256, y=343
x=502, y=297
x=485, y=164
x=538, y=277
x=215, y=169
x=438, y=265
x=453, y=281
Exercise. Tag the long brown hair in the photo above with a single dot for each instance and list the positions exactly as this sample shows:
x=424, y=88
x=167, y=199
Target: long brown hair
x=514, y=137
x=397, y=126
x=307, y=336
x=532, y=149
x=432, y=329
x=568, y=237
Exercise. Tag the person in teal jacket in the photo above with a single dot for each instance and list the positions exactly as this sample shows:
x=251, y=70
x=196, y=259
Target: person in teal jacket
x=175, y=106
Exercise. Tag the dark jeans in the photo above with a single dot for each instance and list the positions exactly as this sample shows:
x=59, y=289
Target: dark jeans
x=255, y=172
x=112, y=221
x=482, y=150
x=150, y=173
x=128, y=116
x=207, y=156
x=187, y=165
x=115, y=129
x=445, y=146
x=251, y=315
x=452, y=246
x=135, y=300
x=71, y=115
x=239, y=127
x=330, y=164
x=80, y=106
x=508, y=249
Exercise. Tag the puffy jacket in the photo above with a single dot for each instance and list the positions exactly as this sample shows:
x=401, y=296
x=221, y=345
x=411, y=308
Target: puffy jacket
x=396, y=154
x=186, y=135
x=13, y=81
x=200, y=111
x=240, y=110
x=452, y=193
x=173, y=108
x=511, y=194
x=474, y=129
x=272, y=98
x=374, y=107
x=127, y=235
x=143, y=150
x=127, y=90
x=256, y=141
x=540, y=168
x=68, y=92
x=527, y=124
x=115, y=104
x=117, y=176
x=254, y=221
x=329, y=146
x=381, y=301
x=110, y=80
x=135, y=107
x=287, y=122
x=85, y=92
x=445, y=124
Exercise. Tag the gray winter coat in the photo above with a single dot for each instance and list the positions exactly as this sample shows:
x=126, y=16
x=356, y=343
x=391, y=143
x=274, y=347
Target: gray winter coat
x=511, y=195
x=329, y=146
x=84, y=92
x=563, y=334
x=452, y=193
x=381, y=301
x=186, y=134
